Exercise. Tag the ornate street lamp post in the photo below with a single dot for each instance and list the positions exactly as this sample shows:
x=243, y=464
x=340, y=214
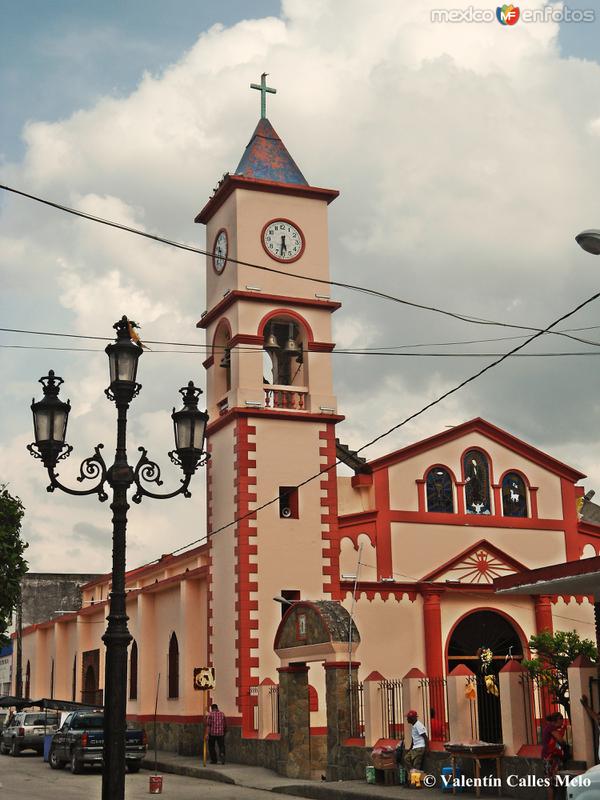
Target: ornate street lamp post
x=50, y=417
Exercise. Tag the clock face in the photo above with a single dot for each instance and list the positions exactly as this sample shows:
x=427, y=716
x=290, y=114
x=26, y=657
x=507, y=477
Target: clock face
x=283, y=240
x=220, y=251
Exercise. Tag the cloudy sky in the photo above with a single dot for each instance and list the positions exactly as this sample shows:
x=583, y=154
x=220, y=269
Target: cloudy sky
x=467, y=156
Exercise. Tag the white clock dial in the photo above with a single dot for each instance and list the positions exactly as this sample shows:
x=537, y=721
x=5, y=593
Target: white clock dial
x=283, y=240
x=220, y=251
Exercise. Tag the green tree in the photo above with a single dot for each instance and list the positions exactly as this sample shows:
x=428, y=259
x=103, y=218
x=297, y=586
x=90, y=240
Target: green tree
x=553, y=653
x=12, y=564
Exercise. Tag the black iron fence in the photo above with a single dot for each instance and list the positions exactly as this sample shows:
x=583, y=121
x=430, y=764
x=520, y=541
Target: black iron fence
x=539, y=700
x=486, y=717
x=391, y=708
x=274, y=705
x=434, y=711
x=357, y=710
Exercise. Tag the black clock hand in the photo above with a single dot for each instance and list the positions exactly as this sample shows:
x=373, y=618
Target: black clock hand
x=283, y=248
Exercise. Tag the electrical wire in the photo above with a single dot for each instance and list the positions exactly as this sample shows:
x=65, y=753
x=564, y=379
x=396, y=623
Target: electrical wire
x=250, y=351
x=313, y=279
x=395, y=427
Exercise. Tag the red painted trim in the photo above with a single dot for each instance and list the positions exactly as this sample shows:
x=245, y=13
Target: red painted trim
x=482, y=543
x=383, y=525
x=232, y=182
x=518, y=630
x=353, y=743
x=477, y=520
x=543, y=614
x=569, y=508
x=246, y=338
x=318, y=731
x=461, y=671
x=498, y=435
x=341, y=665
x=214, y=266
x=261, y=297
x=374, y=676
x=432, y=624
x=166, y=560
x=207, y=364
x=530, y=577
x=233, y=414
x=284, y=312
x=330, y=537
x=321, y=347
x=245, y=542
x=513, y=666
x=415, y=672
x=589, y=528
x=287, y=222
x=361, y=479
x=209, y=586
x=357, y=518
x=293, y=668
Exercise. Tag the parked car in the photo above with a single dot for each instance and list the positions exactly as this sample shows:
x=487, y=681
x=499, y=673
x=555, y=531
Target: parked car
x=26, y=731
x=79, y=741
x=586, y=786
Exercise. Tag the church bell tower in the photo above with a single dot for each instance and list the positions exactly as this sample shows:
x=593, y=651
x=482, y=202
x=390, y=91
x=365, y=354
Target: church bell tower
x=272, y=408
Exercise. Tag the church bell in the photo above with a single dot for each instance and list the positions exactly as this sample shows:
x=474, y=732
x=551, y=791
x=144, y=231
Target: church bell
x=226, y=360
x=271, y=343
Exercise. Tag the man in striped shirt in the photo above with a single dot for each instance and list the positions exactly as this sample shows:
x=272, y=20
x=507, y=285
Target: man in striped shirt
x=216, y=727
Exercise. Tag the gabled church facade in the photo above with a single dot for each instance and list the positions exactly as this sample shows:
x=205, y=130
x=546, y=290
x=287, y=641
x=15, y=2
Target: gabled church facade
x=409, y=545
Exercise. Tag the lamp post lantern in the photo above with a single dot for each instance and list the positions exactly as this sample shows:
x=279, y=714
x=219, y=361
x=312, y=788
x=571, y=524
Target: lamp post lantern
x=589, y=241
x=50, y=416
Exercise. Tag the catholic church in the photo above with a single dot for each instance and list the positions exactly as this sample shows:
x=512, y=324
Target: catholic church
x=394, y=559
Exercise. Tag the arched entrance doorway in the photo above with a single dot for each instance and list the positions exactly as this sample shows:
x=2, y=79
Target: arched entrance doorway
x=321, y=631
x=474, y=633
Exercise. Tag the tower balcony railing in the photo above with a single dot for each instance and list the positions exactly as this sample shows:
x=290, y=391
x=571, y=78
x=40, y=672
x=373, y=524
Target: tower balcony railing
x=290, y=398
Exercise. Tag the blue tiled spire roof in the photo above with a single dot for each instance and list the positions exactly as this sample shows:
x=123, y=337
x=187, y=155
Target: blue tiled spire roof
x=267, y=158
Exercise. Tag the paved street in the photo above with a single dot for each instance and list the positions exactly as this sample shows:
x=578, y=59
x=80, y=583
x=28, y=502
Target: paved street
x=29, y=778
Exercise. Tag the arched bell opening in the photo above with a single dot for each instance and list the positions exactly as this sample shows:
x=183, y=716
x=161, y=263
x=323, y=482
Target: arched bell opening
x=284, y=348
x=222, y=360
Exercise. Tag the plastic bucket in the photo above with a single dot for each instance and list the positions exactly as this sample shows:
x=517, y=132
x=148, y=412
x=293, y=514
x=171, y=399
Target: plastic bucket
x=155, y=784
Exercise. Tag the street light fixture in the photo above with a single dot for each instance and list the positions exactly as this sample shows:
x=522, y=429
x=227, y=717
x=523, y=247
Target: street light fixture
x=50, y=416
x=589, y=241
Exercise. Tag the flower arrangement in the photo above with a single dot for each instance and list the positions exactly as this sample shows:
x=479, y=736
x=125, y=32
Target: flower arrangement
x=485, y=656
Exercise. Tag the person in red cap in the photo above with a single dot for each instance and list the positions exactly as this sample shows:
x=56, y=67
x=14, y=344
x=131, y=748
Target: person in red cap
x=413, y=758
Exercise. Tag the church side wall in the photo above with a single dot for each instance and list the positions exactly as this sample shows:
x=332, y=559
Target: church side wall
x=411, y=561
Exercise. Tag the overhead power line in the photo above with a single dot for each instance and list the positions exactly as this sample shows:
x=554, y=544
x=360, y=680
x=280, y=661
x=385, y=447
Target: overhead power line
x=384, y=353
x=398, y=425
x=313, y=279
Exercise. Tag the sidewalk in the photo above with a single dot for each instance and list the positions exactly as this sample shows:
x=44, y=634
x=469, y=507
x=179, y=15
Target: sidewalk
x=265, y=780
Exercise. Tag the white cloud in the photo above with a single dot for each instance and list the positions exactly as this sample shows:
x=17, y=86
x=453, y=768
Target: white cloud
x=466, y=166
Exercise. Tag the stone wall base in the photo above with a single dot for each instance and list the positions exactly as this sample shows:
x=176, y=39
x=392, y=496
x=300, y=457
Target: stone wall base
x=186, y=739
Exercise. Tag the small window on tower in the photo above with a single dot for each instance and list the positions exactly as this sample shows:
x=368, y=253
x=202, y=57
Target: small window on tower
x=288, y=502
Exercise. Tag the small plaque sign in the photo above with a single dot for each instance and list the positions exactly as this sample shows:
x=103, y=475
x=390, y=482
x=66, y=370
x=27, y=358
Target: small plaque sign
x=204, y=678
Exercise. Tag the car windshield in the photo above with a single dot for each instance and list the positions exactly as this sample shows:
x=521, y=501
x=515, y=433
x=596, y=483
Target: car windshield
x=89, y=722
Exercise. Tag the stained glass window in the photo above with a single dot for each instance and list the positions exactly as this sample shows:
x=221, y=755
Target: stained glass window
x=514, y=496
x=439, y=491
x=477, y=483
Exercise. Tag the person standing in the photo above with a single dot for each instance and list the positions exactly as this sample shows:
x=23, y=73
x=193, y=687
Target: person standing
x=553, y=749
x=413, y=758
x=216, y=728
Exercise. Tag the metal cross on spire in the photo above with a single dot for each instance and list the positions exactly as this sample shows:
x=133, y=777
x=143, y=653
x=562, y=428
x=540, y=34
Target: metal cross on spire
x=263, y=89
